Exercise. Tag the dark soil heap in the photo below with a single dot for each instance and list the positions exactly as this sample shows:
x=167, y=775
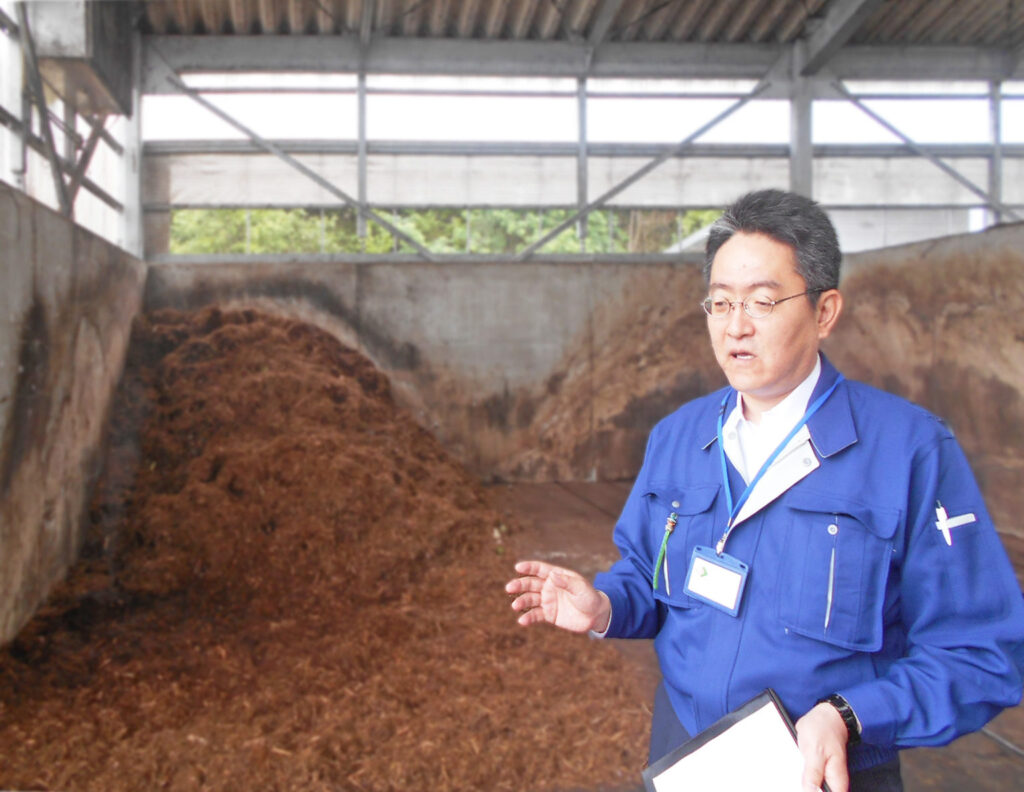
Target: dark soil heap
x=287, y=584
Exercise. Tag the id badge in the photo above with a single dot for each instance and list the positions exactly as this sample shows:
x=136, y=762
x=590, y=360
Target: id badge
x=716, y=579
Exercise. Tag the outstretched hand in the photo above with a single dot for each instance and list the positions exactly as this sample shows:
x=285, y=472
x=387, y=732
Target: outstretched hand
x=558, y=596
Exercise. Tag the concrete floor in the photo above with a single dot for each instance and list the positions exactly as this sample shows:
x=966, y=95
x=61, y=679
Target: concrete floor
x=571, y=525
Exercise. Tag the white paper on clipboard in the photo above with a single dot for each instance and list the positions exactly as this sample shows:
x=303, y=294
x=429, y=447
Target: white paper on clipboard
x=751, y=748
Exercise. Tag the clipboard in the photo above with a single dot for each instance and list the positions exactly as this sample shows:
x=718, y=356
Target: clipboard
x=751, y=748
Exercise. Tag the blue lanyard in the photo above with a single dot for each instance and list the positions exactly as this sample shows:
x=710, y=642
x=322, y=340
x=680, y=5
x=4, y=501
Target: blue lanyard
x=735, y=510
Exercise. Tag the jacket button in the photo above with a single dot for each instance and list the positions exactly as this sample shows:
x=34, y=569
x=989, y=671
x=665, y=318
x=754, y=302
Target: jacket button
x=675, y=504
x=833, y=529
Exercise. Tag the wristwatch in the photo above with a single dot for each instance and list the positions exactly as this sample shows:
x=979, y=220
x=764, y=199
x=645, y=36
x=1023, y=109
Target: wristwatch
x=847, y=714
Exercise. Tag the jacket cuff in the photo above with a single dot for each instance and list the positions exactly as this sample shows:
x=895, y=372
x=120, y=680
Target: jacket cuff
x=619, y=607
x=874, y=712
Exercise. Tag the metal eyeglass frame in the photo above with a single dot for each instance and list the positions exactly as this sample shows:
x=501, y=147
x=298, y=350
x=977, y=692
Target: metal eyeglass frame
x=708, y=302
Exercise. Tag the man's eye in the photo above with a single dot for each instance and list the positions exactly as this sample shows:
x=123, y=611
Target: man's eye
x=762, y=303
x=719, y=306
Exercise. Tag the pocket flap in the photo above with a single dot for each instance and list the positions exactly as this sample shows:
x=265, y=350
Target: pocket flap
x=878, y=521
x=692, y=500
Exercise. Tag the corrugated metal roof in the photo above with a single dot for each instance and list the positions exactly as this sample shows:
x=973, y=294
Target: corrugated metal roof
x=895, y=22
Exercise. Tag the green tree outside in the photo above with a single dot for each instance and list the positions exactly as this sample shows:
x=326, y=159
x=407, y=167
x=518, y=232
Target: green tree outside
x=444, y=231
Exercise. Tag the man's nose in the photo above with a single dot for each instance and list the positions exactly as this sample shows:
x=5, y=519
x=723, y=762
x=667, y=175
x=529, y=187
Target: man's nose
x=738, y=323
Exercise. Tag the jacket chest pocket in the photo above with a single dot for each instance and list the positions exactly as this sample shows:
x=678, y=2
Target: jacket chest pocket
x=694, y=525
x=835, y=567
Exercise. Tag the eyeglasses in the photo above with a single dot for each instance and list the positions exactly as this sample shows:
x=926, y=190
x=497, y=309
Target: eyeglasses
x=754, y=307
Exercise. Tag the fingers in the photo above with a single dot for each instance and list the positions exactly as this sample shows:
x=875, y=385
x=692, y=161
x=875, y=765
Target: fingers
x=833, y=773
x=837, y=776
x=523, y=584
x=532, y=616
x=533, y=574
x=539, y=569
x=812, y=777
x=526, y=601
x=528, y=587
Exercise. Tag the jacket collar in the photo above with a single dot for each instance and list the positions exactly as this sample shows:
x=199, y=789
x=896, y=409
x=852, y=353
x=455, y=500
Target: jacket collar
x=832, y=428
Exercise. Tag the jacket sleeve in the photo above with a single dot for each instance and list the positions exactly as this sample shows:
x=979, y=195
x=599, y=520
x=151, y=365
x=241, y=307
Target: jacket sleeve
x=628, y=582
x=959, y=612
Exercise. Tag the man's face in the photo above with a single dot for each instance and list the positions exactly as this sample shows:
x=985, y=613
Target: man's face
x=766, y=358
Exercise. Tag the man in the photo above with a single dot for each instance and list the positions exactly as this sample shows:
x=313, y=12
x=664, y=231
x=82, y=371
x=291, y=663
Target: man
x=802, y=532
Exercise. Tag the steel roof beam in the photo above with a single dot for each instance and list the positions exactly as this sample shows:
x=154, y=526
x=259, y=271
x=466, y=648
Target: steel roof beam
x=842, y=21
x=603, y=19
x=924, y=63
x=557, y=58
x=394, y=55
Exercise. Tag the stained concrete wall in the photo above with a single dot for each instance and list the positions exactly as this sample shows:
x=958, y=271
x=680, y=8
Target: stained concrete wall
x=471, y=349
x=67, y=299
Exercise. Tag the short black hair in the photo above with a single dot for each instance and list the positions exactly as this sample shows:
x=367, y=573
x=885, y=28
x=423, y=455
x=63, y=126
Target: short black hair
x=789, y=218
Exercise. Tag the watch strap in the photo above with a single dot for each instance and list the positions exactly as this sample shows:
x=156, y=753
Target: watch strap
x=846, y=712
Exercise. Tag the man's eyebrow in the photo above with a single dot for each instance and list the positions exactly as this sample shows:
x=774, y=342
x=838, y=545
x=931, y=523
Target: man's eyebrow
x=765, y=284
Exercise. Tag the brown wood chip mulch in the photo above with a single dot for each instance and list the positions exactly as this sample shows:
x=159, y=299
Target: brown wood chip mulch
x=287, y=584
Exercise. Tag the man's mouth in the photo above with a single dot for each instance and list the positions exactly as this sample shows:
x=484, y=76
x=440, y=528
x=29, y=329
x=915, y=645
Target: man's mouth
x=740, y=355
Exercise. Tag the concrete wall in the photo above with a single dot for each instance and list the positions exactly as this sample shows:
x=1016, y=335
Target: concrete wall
x=472, y=350
x=67, y=299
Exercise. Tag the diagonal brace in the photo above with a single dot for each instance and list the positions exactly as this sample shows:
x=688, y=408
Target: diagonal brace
x=283, y=155
x=82, y=165
x=668, y=153
x=921, y=152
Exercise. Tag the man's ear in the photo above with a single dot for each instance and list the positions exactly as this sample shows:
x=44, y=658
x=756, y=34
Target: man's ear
x=827, y=311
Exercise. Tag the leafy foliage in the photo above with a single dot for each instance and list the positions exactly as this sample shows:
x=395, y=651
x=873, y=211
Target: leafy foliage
x=481, y=231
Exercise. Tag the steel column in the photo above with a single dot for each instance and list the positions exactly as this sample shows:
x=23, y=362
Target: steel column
x=995, y=161
x=581, y=161
x=361, y=158
x=131, y=158
x=801, y=148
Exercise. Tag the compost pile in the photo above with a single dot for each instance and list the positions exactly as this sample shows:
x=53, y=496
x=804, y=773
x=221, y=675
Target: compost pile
x=288, y=584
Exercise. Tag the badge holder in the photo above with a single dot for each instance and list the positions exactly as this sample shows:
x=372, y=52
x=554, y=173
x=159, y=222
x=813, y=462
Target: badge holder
x=718, y=580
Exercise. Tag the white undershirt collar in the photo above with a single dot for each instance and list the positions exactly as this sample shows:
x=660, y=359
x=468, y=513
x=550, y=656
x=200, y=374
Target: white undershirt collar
x=748, y=444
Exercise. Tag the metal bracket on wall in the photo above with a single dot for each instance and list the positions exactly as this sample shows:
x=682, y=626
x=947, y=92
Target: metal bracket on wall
x=35, y=81
x=37, y=144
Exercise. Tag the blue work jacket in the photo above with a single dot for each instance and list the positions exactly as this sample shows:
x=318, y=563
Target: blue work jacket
x=857, y=584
